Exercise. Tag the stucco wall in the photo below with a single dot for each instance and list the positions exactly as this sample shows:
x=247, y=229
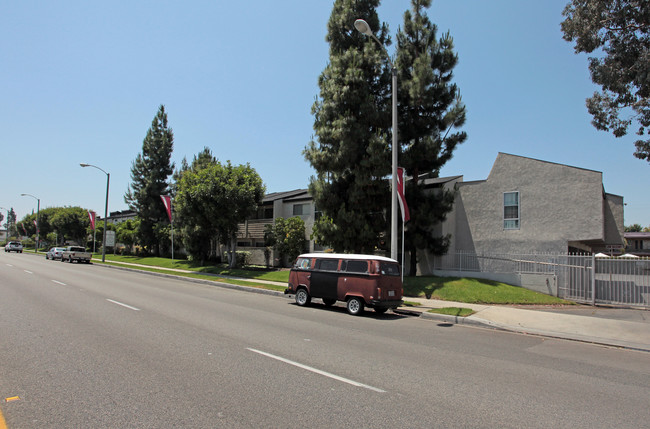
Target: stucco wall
x=558, y=203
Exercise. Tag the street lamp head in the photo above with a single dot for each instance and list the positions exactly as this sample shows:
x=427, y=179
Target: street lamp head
x=85, y=165
x=363, y=27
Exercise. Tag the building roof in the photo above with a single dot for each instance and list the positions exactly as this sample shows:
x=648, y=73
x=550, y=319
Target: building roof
x=637, y=235
x=274, y=196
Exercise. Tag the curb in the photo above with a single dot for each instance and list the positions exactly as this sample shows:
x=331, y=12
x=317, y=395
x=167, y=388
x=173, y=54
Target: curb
x=443, y=318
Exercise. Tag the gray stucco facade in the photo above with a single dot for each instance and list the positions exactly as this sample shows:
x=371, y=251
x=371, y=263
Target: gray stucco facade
x=554, y=208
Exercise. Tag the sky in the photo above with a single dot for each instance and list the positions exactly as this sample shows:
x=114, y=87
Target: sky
x=81, y=82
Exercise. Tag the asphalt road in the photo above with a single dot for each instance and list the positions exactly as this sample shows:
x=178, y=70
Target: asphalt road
x=87, y=346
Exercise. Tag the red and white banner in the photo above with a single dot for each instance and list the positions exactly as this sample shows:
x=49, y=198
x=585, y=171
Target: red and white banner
x=167, y=201
x=23, y=227
x=91, y=215
x=406, y=216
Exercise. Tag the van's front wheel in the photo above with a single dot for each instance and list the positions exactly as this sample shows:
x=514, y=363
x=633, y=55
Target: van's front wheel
x=355, y=306
x=302, y=297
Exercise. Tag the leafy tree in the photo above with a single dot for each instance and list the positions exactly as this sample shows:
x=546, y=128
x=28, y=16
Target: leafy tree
x=287, y=237
x=45, y=225
x=619, y=30
x=429, y=109
x=634, y=228
x=71, y=223
x=211, y=200
x=126, y=233
x=350, y=153
x=149, y=174
x=194, y=219
x=12, y=231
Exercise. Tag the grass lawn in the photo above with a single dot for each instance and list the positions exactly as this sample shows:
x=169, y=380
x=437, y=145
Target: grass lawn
x=476, y=291
x=219, y=269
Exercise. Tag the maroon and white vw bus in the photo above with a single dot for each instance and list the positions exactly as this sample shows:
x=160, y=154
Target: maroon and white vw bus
x=358, y=280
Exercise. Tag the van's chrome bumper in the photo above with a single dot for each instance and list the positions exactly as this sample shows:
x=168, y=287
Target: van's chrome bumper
x=375, y=303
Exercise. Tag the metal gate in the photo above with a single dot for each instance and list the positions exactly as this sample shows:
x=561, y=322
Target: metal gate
x=616, y=281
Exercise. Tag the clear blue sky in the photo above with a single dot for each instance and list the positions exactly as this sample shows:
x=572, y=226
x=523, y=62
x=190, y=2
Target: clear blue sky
x=81, y=82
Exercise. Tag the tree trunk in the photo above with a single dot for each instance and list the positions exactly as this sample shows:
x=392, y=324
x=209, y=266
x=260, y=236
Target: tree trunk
x=413, y=263
x=233, y=251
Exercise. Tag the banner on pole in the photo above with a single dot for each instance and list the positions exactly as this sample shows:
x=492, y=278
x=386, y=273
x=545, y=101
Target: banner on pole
x=406, y=216
x=167, y=201
x=92, y=214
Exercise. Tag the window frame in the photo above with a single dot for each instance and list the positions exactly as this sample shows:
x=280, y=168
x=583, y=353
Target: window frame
x=506, y=219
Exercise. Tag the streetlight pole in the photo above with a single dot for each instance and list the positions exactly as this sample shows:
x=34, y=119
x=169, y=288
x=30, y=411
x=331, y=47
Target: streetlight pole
x=363, y=27
x=108, y=179
x=38, y=211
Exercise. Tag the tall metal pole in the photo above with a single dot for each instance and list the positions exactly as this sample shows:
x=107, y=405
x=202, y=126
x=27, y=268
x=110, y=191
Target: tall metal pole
x=393, y=197
x=38, y=212
x=363, y=27
x=108, y=179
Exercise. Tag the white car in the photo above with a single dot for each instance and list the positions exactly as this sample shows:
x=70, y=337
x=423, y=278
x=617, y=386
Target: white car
x=14, y=246
x=54, y=253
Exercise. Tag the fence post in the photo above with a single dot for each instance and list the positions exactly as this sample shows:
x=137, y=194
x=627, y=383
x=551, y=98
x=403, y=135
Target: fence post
x=593, y=280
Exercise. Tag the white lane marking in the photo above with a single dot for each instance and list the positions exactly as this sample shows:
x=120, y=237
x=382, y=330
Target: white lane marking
x=123, y=305
x=9, y=265
x=28, y=272
x=318, y=371
x=59, y=283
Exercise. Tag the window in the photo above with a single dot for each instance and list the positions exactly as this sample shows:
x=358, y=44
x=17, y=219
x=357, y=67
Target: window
x=357, y=267
x=511, y=210
x=389, y=269
x=328, y=264
x=302, y=264
x=300, y=209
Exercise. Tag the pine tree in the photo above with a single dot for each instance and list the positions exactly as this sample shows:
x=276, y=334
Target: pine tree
x=429, y=109
x=149, y=174
x=351, y=121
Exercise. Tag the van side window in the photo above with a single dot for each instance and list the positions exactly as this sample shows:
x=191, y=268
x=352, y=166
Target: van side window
x=357, y=267
x=327, y=264
x=302, y=264
x=389, y=269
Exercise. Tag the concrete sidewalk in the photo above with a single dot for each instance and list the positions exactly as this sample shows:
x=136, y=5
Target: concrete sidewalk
x=621, y=330
x=627, y=328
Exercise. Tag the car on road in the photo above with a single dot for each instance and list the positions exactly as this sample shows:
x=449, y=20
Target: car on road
x=76, y=253
x=358, y=280
x=14, y=246
x=54, y=253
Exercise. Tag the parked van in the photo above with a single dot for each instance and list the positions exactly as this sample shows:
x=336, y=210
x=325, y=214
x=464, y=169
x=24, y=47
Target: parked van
x=358, y=280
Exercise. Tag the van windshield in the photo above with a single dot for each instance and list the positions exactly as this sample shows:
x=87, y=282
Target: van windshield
x=389, y=269
x=302, y=264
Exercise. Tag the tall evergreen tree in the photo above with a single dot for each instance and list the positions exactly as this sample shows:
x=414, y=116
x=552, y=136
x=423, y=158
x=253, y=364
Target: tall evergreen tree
x=351, y=121
x=429, y=110
x=149, y=174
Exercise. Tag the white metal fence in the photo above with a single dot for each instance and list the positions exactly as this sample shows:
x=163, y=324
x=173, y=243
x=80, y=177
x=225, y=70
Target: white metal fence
x=581, y=278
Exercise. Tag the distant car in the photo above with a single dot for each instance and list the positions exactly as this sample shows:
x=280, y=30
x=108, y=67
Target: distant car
x=76, y=253
x=14, y=246
x=54, y=253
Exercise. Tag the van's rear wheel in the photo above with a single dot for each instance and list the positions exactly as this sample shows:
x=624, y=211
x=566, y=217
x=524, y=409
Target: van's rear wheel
x=355, y=306
x=329, y=301
x=302, y=297
x=381, y=310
